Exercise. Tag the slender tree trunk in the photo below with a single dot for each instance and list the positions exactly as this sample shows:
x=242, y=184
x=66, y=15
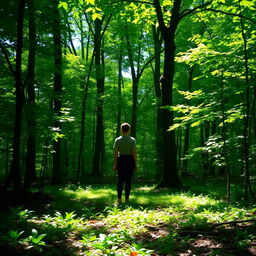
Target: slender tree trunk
x=135, y=88
x=119, y=93
x=30, y=173
x=187, y=129
x=57, y=102
x=98, y=157
x=224, y=137
x=246, y=134
x=44, y=163
x=82, y=38
x=81, y=162
x=203, y=154
x=69, y=30
x=135, y=84
x=15, y=174
x=87, y=48
x=157, y=52
x=170, y=176
x=185, y=151
x=211, y=161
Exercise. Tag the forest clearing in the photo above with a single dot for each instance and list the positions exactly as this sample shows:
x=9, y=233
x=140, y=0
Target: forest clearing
x=128, y=127
x=84, y=220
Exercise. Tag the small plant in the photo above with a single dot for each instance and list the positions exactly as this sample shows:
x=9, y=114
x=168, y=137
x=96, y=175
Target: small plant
x=14, y=237
x=21, y=215
x=25, y=214
x=35, y=240
x=14, y=234
x=109, y=244
x=138, y=249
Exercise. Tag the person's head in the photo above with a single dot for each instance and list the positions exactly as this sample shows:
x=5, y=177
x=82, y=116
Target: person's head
x=125, y=128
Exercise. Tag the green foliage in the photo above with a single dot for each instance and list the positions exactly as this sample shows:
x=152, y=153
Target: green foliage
x=153, y=228
x=14, y=235
x=35, y=240
x=120, y=243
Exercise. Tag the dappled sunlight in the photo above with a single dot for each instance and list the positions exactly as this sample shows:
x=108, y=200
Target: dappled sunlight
x=85, y=220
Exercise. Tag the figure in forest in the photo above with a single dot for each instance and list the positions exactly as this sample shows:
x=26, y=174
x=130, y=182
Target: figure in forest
x=125, y=158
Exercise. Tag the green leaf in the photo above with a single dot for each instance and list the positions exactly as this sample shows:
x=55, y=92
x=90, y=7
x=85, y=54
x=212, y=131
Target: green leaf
x=92, y=2
x=63, y=5
x=34, y=232
x=14, y=234
x=89, y=9
x=96, y=16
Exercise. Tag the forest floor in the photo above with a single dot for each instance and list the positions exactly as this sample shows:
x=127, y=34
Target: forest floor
x=85, y=220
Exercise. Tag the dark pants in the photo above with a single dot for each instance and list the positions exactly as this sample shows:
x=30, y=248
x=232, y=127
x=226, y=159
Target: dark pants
x=125, y=167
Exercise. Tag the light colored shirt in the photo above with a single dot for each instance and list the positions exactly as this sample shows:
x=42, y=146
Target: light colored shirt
x=124, y=145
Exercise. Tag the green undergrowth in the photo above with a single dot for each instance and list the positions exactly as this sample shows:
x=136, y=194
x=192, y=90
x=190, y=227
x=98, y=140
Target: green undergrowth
x=84, y=220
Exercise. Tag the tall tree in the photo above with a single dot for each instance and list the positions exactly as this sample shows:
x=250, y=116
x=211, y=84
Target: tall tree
x=137, y=66
x=119, y=92
x=57, y=97
x=30, y=173
x=158, y=40
x=99, y=151
x=15, y=172
x=187, y=129
x=170, y=176
x=169, y=173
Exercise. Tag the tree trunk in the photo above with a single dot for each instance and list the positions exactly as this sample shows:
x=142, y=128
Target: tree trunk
x=157, y=52
x=57, y=177
x=185, y=151
x=81, y=162
x=69, y=30
x=204, y=165
x=248, y=187
x=213, y=129
x=170, y=176
x=135, y=84
x=82, y=39
x=135, y=87
x=224, y=137
x=30, y=173
x=98, y=157
x=15, y=174
x=119, y=93
x=187, y=129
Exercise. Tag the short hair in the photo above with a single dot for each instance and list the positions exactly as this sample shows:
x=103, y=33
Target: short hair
x=125, y=127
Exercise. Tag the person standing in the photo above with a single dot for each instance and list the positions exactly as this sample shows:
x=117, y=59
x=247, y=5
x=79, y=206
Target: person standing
x=125, y=158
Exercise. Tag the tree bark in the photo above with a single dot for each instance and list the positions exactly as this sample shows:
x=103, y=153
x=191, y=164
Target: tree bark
x=82, y=38
x=15, y=174
x=98, y=158
x=211, y=161
x=170, y=176
x=248, y=187
x=81, y=162
x=119, y=93
x=30, y=173
x=69, y=30
x=187, y=129
x=224, y=137
x=157, y=69
x=135, y=84
x=57, y=177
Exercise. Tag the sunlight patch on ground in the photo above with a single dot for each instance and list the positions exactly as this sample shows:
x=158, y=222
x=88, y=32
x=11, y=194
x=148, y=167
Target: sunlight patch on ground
x=145, y=188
